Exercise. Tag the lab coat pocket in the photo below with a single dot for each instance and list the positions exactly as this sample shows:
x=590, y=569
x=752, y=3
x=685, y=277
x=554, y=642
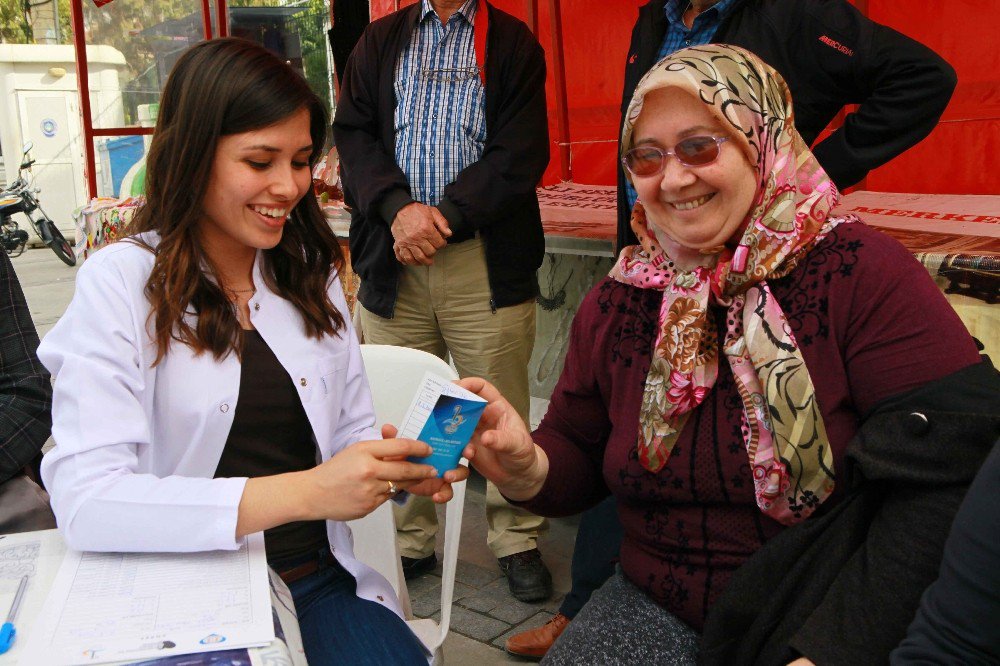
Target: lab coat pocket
x=333, y=375
x=323, y=379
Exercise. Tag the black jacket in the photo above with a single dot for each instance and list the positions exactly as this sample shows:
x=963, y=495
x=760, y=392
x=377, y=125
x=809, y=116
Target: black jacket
x=494, y=196
x=25, y=387
x=830, y=55
x=907, y=470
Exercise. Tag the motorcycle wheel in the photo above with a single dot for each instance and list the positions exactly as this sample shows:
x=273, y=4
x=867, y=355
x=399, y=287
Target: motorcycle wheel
x=59, y=244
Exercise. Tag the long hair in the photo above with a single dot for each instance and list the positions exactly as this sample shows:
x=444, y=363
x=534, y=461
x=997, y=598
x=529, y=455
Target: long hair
x=218, y=88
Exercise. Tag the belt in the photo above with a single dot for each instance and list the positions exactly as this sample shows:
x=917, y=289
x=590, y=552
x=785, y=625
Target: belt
x=306, y=568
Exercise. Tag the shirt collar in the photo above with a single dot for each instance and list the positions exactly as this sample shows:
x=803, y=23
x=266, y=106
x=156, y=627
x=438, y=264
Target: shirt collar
x=466, y=11
x=674, y=9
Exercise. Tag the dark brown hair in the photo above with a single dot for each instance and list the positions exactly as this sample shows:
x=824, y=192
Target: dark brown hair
x=218, y=88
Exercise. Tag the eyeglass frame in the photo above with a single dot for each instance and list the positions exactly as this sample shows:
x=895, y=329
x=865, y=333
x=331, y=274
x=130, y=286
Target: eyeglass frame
x=667, y=153
x=450, y=74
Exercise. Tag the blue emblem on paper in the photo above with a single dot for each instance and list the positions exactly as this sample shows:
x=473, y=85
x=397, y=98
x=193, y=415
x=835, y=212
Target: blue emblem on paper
x=212, y=639
x=448, y=429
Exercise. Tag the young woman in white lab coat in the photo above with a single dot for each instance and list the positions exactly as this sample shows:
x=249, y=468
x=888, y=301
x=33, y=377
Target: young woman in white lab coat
x=207, y=382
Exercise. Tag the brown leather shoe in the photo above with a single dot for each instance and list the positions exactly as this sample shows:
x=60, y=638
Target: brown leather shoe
x=535, y=643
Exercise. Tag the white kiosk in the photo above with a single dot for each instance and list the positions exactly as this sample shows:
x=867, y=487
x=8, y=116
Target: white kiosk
x=39, y=102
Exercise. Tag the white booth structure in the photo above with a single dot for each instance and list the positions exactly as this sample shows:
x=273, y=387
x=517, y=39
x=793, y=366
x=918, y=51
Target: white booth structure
x=39, y=102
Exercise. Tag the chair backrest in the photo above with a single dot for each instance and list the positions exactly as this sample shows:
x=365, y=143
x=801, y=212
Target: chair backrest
x=394, y=373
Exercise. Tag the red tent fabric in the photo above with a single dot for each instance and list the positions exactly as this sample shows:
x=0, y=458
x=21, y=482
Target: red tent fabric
x=959, y=157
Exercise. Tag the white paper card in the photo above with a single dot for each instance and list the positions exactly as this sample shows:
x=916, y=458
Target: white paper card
x=107, y=607
x=432, y=387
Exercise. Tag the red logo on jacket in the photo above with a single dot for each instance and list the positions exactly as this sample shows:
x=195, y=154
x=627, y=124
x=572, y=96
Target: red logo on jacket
x=833, y=43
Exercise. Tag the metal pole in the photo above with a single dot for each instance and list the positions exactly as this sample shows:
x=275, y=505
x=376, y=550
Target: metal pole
x=83, y=81
x=562, y=106
x=532, y=12
x=222, y=17
x=862, y=6
x=206, y=18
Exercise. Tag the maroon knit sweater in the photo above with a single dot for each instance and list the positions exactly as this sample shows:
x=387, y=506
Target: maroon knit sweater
x=871, y=324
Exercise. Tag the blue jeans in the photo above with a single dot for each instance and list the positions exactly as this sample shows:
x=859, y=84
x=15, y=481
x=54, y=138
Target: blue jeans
x=338, y=627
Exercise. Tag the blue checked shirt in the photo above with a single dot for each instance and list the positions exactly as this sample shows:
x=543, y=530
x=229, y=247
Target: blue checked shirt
x=678, y=37
x=440, y=117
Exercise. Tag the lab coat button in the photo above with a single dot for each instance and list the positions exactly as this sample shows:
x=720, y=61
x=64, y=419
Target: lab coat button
x=224, y=407
x=380, y=598
x=303, y=381
x=256, y=307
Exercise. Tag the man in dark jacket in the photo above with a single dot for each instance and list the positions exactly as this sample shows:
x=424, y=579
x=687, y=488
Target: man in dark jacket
x=25, y=416
x=830, y=55
x=442, y=132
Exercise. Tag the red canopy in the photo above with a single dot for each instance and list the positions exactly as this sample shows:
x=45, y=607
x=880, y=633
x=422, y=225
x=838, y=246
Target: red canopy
x=960, y=156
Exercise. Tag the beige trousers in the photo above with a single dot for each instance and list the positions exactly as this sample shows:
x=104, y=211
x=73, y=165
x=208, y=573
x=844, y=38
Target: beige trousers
x=445, y=308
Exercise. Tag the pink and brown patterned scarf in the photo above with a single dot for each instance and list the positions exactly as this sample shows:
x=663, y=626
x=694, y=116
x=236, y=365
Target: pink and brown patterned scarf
x=783, y=429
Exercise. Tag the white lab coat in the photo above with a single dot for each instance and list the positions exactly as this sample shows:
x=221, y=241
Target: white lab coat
x=136, y=445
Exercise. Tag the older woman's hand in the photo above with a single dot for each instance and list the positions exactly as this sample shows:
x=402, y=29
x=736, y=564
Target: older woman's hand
x=501, y=448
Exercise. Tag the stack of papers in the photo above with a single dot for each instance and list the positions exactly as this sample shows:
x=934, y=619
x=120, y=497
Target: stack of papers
x=111, y=607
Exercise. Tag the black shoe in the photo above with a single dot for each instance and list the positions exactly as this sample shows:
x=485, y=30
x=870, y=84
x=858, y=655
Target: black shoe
x=418, y=566
x=527, y=576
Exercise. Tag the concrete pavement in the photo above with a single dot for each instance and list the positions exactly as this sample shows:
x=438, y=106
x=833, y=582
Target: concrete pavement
x=484, y=613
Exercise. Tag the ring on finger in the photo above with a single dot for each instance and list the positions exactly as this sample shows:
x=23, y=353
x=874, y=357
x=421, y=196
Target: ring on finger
x=392, y=490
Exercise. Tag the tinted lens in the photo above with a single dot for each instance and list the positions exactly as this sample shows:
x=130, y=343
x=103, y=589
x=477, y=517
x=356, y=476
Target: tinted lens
x=697, y=150
x=644, y=161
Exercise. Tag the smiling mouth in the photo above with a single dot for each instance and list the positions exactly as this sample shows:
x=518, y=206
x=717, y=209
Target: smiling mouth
x=275, y=213
x=694, y=203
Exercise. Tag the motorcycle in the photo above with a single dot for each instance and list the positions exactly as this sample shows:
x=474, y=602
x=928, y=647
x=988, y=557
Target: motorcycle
x=20, y=197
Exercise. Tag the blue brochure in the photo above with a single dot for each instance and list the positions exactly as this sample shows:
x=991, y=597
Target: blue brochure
x=445, y=416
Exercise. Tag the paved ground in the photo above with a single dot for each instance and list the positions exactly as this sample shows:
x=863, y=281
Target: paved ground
x=484, y=613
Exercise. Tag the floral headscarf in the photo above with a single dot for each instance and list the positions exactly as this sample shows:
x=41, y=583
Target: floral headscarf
x=783, y=429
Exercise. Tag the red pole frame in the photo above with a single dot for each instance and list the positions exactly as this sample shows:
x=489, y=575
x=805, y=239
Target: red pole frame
x=562, y=107
x=222, y=18
x=531, y=8
x=206, y=19
x=83, y=84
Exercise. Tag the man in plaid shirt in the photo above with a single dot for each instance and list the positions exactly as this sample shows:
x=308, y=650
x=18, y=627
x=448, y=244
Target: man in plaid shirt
x=443, y=136
x=25, y=389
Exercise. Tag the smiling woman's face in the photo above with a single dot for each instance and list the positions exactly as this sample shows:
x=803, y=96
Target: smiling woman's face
x=701, y=207
x=257, y=178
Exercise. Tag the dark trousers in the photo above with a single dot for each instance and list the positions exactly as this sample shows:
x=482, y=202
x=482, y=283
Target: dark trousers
x=595, y=553
x=338, y=627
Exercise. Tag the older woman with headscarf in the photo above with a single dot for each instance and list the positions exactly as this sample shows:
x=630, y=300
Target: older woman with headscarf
x=780, y=399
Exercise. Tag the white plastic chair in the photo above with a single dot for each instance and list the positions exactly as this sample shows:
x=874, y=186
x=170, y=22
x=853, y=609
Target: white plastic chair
x=393, y=375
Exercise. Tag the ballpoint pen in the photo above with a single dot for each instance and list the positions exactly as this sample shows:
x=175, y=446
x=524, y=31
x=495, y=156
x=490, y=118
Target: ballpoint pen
x=7, y=631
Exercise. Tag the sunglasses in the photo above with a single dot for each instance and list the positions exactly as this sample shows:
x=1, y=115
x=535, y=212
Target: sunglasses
x=694, y=151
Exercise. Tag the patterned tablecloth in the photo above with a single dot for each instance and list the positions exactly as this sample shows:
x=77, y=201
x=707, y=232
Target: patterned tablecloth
x=957, y=237
x=102, y=221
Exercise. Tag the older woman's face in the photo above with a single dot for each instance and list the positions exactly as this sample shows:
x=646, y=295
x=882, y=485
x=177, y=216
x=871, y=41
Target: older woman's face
x=699, y=207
